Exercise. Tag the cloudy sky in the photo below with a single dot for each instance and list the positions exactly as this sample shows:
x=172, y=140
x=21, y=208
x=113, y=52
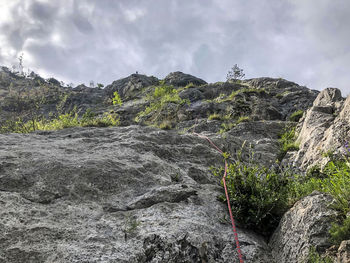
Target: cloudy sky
x=307, y=42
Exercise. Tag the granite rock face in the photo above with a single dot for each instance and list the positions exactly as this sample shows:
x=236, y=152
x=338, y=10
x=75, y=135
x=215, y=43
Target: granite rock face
x=324, y=129
x=132, y=194
x=180, y=79
x=141, y=194
x=303, y=226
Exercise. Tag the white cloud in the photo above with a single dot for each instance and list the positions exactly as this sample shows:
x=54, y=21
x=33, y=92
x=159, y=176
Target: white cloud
x=105, y=40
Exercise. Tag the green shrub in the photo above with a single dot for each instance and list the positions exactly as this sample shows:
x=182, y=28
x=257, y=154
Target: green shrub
x=334, y=180
x=296, y=116
x=287, y=142
x=340, y=232
x=260, y=196
x=116, y=99
x=314, y=257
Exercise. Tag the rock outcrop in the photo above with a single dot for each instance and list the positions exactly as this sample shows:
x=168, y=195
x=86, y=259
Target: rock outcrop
x=137, y=193
x=133, y=194
x=180, y=79
x=304, y=226
x=324, y=129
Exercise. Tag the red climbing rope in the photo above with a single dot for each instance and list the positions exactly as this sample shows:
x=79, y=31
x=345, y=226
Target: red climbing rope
x=239, y=252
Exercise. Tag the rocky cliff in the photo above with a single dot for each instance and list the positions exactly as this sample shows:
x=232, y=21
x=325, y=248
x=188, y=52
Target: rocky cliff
x=138, y=193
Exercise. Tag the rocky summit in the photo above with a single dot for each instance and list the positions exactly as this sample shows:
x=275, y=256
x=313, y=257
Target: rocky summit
x=124, y=174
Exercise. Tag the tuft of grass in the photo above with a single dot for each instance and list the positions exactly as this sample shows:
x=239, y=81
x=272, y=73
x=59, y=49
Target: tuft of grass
x=296, y=116
x=159, y=99
x=62, y=121
x=215, y=116
x=243, y=119
x=246, y=91
x=226, y=126
x=287, y=142
x=189, y=85
x=166, y=125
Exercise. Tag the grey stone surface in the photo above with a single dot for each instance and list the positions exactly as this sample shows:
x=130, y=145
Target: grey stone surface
x=132, y=194
x=305, y=225
x=180, y=79
x=343, y=255
x=325, y=128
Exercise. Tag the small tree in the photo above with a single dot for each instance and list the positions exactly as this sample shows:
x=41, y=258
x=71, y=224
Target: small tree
x=236, y=73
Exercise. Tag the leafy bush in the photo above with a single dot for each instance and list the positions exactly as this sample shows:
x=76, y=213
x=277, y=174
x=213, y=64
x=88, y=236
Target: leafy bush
x=314, y=257
x=116, y=99
x=258, y=195
x=296, y=116
x=340, y=232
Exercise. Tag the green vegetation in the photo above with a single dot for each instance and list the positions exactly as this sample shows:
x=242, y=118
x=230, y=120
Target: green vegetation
x=189, y=85
x=235, y=74
x=215, y=116
x=287, y=142
x=281, y=95
x=243, y=119
x=165, y=125
x=341, y=231
x=62, y=121
x=314, y=257
x=162, y=96
x=260, y=195
x=116, y=99
x=226, y=126
x=296, y=116
x=245, y=91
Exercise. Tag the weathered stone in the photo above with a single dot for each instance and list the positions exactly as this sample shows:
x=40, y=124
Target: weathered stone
x=344, y=252
x=305, y=225
x=130, y=87
x=324, y=128
x=131, y=194
x=180, y=79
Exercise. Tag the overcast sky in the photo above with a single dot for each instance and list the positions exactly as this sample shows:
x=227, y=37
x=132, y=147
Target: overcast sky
x=307, y=42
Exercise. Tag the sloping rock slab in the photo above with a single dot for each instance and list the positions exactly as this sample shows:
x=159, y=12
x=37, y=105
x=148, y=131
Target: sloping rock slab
x=131, y=194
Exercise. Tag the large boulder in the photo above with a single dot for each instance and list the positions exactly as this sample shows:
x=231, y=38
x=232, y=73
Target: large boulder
x=304, y=226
